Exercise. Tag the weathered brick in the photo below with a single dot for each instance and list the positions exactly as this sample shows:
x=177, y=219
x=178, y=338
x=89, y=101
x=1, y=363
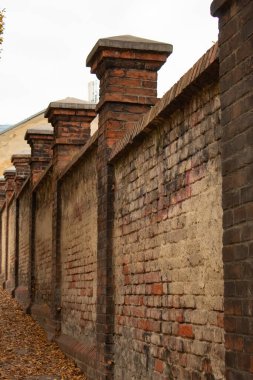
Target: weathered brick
x=169, y=255
x=235, y=21
x=41, y=142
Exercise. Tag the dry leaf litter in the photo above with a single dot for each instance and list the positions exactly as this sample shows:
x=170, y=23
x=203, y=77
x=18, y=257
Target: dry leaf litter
x=25, y=353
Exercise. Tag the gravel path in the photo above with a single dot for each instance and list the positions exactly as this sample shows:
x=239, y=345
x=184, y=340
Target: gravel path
x=25, y=353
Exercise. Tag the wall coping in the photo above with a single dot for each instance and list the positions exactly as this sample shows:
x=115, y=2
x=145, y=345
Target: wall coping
x=3, y=207
x=22, y=189
x=191, y=80
x=91, y=143
x=42, y=177
x=11, y=200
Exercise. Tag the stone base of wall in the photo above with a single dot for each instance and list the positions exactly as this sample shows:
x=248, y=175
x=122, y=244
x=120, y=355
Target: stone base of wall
x=84, y=355
x=42, y=314
x=9, y=287
x=2, y=281
x=21, y=294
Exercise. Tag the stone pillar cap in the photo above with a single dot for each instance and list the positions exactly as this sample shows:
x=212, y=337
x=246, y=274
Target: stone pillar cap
x=10, y=171
x=70, y=103
x=26, y=153
x=128, y=42
x=217, y=6
x=44, y=130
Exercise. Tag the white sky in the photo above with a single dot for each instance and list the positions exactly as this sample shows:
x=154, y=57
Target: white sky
x=46, y=43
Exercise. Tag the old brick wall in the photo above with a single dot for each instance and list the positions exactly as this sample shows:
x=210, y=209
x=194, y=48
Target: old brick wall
x=11, y=250
x=21, y=292
x=236, y=86
x=125, y=243
x=167, y=248
x=3, y=243
x=1, y=237
x=42, y=255
x=78, y=242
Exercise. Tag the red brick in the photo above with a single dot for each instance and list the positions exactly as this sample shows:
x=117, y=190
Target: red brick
x=185, y=330
x=159, y=366
x=157, y=289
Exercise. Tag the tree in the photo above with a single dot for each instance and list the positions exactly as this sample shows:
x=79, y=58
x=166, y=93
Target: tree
x=1, y=26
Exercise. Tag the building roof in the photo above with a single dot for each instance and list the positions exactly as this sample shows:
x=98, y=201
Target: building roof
x=22, y=122
x=4, y=127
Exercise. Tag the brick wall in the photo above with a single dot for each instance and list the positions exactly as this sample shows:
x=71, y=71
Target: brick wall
x=11, y=250
x=42, y=245
x=236, y=62
x=3, y=243
x=125, y=244
x=1, y=237
x=23, y=279
x=78, y=242
x=71, y=120
x=127, y=68
x=167, y=248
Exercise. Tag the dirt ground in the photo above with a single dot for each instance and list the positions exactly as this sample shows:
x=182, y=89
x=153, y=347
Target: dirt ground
x=25, y=352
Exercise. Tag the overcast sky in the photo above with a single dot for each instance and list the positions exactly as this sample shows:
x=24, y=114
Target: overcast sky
x=46, y=43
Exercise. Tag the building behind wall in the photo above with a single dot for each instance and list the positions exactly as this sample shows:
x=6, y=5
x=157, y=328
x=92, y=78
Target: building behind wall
x=12, y=138
x=93, y=91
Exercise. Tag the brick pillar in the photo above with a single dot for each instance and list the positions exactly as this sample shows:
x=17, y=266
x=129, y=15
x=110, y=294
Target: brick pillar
x=2, y=191
x=127, y=68
x=71, y=120
x=21, y=161
x=2, y=202
x=9, y=175
x=40, y=141
x=236, y=84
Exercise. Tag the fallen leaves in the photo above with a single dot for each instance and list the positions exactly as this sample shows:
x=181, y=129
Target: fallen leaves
x=25, y=353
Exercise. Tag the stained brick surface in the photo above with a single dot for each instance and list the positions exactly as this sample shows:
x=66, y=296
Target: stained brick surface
x=78, y=241
x=135, y=250
x=23, y=276
x=167, y=248
x=42, y=256
x=235, y=45
x=3, y=243
x=11, y=251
